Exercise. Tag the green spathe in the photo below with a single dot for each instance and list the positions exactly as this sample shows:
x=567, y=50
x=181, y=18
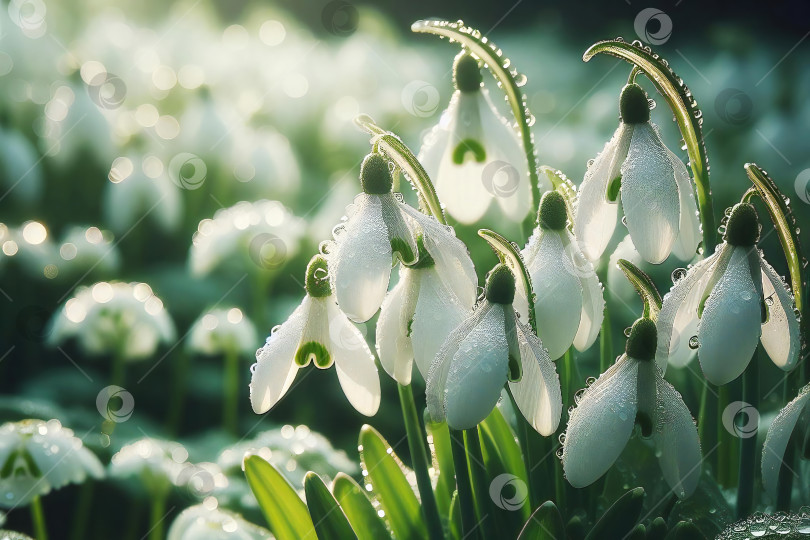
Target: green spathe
x=742, y=228
x=317, y=278
x=643, y=340
x=466, y=73
x=375, y=176
x=500, y=287
x=633, y=105
x=552, y=214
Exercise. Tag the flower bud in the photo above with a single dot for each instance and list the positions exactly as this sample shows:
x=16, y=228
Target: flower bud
x=633, y=105
x=643, y=340
x=500, y=287
x=466, y=73
x=742, y=228
x=375, y=176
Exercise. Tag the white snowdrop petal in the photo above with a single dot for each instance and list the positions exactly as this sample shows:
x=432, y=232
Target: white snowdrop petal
x=776, y=441
x=401, y=228
x=360, y=266
x=275, y=366
x=676, y=439
x=593, y=297
x=435, y=143
x=730, y=327
x=506, y=174
x=690, y=234
x=393, y=342
x=596, y=216
x=354, y=364
x=459, y=186
x=478, y=370
x=558, y=294
x=450, y=255
x=537, y=394
x=437, y=314
x=780, y=333
x=678, y=321
x=650, y=195
x=601, y=424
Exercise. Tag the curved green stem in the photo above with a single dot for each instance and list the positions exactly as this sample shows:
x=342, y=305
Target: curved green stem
x=509, y=81
x=465, y=496
x=38, y=518
x=644, y=287
x=687, y=115
x=393, y=147
x=509, y=254
x=416, y=444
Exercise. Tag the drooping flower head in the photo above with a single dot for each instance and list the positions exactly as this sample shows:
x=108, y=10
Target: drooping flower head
x=652, y=183
x=728, y=303
x=632, y=391
x=569, y=300
x=490, y=347
x=318, y=332
x=114, y=318
x=221, y=330
x=473, y=155
x=38, y=456
x=792, y=423
x=432, y=298
x=207, y=521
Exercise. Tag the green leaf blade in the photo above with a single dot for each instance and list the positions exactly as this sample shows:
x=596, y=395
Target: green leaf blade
x=285, y=512
x=326, y=513
x=358, y=509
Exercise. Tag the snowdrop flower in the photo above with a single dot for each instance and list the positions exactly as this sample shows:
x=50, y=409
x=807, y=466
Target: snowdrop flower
x=38, y=456
x=377, y=229
x=654, y=186
x=112, y=317
x=432, y=297
x=792, y=422
x=726, y=304
x=207, y=522
x=569, y=301
x=474, y=155
x=318, y=332
x=632, y=391
x=87, y=249
x=140, y=188
x=159, y=464
x=220, y=330
x=264, y=232
x=490, y=347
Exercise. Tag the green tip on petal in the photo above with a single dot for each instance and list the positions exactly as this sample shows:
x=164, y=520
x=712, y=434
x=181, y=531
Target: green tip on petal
x=643, y=340
x=317, y=279
x=375, y=176
x=500, y=287
x=424, y=260
x=466, y=73
x=552, y=214
x=314, y=351
x=742, y=228
x=633, y=105
x=469, y=146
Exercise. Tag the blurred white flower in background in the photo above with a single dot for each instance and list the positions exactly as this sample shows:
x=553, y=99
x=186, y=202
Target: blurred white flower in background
x=140, y=188
x=86, y=249
x=264, y=163
x=38, y=456
x=261, y=235
x=208, y=522
x=124, y=319
x=221, y=330
x=156, y=462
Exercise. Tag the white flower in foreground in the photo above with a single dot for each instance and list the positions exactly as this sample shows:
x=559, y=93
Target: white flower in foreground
x=114, y=318
x=489, y=348
x=433, y=296
x=318, y=332
x=221, y=330
x=726, y=304
x=207, y=522
x=653, y=183
x=140, y=188
x=792, y=422
x=569, y=302
x=11, y=535
x=473, y=155
x=38, y=456
x=378, y=228
x=632, y=391
x=264, y=234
